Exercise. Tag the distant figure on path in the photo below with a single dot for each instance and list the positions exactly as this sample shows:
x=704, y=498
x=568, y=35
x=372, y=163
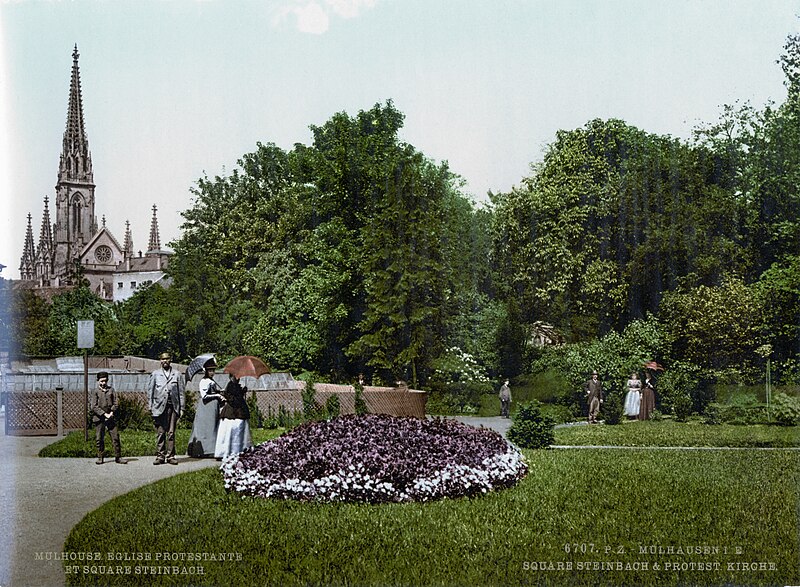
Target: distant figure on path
x=634, y=396
x=206, y=417
x=648, y=403
x=233, y=435
x=505, y=399
x=165, y=397
x=104, y=405
x=594, y=393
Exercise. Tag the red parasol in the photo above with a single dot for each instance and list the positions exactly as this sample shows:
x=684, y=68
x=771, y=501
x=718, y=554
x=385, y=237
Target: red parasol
x=246, y=366
x=653, y=366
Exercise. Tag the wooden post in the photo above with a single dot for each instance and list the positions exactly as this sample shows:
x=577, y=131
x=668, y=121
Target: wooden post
x=60, y=409
x=85, y=394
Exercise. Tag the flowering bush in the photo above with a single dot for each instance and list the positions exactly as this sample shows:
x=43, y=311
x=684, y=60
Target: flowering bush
x=375, y=459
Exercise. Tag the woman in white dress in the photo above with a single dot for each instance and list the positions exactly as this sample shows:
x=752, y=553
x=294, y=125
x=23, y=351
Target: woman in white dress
x=633, y=397
x=206, y=417
x=233, y=435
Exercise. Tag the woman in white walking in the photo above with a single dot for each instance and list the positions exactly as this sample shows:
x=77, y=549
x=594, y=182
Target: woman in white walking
x=633, y=397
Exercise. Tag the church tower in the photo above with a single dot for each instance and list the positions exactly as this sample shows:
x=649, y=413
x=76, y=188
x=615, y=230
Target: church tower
x=27, y=265
x=75, y=223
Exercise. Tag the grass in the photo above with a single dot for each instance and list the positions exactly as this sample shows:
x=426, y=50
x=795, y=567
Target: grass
x=671, y=433
x=134, y=443
x=741, y=504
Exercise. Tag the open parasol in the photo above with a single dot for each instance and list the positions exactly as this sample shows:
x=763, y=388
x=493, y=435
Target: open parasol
x=247, y=366
x=653, y=366
x=198, y=364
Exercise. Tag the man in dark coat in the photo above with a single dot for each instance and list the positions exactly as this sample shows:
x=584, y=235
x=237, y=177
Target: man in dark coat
x=595, y=397
x=165, y=397
x=104, y=405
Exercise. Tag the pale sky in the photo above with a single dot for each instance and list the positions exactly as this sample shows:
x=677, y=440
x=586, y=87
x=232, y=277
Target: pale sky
x=173, y=89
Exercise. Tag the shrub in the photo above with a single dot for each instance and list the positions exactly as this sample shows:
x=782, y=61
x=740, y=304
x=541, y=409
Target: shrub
x=682, y=407
x=333, y=406
x=611, y=410
x=531, y=428
x=257, y=419
x=133, y=415
x=656, y=416
x=360, y=402
x=677, y=384
x=711, y=415
x=786, y=410
x=311, y=408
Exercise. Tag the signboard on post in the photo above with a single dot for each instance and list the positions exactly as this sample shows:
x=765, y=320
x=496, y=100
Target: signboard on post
x=85, y=342
x=85, y=334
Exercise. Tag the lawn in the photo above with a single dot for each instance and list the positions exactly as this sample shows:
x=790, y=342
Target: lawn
x=134, y=443
x=671, y=433
x=589, y=517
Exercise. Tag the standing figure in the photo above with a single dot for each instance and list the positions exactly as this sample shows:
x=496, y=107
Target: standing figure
x=505, y=399
x=233, y=435
x=594, y=393
x=104, y=405
x=648, y=403
x=634, y=396
x=165, y=397
x=206, y=417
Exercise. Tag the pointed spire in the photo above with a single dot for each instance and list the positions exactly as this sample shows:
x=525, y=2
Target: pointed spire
x=45, y=250
x=155, y=239
x=28, y=260
x=76, y=161
x=46, y=232
x=127, y=248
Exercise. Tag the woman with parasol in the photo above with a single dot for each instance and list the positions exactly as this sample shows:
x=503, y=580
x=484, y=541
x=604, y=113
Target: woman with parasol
x=648, y=401
x=206, y=417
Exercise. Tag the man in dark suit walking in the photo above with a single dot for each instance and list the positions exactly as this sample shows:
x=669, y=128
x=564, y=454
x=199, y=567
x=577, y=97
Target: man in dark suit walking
x=594, y=393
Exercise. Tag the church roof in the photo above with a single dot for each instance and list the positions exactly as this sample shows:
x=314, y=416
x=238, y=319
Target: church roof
x=143, y=264
x=99, y=234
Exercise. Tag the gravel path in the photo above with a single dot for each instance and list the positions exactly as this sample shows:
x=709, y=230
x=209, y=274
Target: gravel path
x=42, y=499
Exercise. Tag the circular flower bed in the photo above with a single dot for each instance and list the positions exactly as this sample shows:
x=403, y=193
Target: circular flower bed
x=376, y=458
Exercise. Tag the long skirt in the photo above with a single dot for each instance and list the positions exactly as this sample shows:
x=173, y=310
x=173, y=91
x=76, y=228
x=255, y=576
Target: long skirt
x=204, y=431
x=233, y=437
x=648, y=404
x=632, y=402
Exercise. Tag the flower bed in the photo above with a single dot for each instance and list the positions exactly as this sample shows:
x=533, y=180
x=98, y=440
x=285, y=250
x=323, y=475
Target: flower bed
x=375, y=459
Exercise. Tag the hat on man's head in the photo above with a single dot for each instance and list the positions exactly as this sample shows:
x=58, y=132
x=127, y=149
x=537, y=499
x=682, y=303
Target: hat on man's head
x=165, y=355
x=102, y=375
x=595, y=373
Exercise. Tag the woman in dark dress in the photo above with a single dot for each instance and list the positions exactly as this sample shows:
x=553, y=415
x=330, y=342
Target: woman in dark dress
x=233, y=435
x=648, y=402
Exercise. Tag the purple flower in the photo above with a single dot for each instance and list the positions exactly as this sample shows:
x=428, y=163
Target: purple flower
x=376, y=458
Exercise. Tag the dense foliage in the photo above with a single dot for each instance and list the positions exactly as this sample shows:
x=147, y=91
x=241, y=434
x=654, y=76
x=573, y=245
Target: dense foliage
x=530, y=428
x=358, y=254
x=376, y=458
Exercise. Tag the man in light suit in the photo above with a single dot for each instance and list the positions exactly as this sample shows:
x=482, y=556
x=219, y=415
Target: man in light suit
x=165, y=397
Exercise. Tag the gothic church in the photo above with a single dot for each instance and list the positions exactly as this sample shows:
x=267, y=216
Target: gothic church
x=74, y=245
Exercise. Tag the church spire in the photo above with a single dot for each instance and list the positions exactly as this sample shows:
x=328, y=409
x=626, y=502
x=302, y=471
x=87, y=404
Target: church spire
x=45, y=250
x=127, y=248
x=28, y=260
x=76, y=160
x=155, y=240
